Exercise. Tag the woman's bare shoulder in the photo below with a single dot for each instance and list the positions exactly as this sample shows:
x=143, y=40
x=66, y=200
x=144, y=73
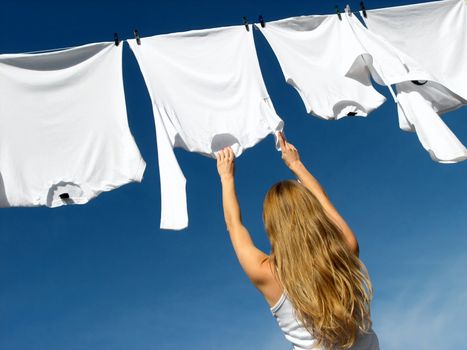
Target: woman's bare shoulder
x=271, y=288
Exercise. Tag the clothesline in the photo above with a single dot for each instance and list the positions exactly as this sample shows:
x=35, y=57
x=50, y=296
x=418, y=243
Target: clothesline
x=245, y=22
x=261, y=21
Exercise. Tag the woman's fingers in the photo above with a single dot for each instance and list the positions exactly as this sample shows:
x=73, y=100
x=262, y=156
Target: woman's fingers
x=289, y=152
x=285, y=146
x=225, y=162
x=225, y=154
x=281, y=140
x=222, y=155
x=231, y=154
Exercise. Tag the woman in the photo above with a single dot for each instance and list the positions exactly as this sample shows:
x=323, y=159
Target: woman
x=317, y=287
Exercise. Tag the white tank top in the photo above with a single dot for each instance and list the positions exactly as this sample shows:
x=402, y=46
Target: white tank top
x=299, y=336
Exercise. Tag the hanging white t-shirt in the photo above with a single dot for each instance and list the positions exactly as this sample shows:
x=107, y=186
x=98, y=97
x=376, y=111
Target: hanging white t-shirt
x=314, y=53
x=207, y=93
x=418, y=105
x=64, y=135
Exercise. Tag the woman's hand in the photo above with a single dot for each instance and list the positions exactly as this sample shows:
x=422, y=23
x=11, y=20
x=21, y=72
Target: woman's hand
x=226, y=163
x=290, y=154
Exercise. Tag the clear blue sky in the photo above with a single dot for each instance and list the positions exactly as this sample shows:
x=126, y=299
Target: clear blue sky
x=103, y=276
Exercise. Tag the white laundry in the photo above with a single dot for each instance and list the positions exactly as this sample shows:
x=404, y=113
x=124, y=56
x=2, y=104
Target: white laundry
x=314, y=53
x=328, y=61
x=442, y=145
x=207, y=93
x=64, y=135
x=418, y=105
x=420, y=31
x=434, y=34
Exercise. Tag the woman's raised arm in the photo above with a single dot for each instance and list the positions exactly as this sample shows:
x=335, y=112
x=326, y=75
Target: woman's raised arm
x=291, y=158
x=254, y=262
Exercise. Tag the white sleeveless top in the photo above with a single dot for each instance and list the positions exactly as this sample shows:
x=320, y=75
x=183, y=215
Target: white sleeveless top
x=299, y=336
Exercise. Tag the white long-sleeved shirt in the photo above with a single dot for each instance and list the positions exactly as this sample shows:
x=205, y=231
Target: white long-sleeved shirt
x=207, y=93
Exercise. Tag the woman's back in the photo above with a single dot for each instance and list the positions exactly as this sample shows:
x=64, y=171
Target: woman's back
x=299, y=336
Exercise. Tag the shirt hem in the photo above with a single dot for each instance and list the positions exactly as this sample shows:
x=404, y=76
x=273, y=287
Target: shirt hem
x=279, y=303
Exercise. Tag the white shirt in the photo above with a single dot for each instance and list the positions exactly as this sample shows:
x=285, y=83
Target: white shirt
x=207, y=93
x=299, y=336
x=63, y=127
x=314, y=53
x=432, y=35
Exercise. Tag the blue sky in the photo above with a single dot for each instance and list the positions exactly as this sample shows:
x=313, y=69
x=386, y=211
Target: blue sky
x=103, y=276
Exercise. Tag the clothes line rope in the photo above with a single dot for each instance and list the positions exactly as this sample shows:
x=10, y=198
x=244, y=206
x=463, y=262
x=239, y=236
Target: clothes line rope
x=261, y=21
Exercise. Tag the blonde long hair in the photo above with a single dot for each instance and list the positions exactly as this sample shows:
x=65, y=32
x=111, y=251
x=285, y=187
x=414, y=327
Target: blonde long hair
x=325, y=281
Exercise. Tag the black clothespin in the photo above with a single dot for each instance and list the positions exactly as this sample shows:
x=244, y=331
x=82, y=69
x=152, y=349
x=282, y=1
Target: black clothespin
x=116, y=39
x=362, y=8
x=138, y=40
x=347, y=10
x=261, y=21
x=64, y=196
x=338, y=13
x=245, y=23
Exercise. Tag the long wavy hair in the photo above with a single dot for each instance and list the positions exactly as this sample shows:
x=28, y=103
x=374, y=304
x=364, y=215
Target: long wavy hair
x=326, y=282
